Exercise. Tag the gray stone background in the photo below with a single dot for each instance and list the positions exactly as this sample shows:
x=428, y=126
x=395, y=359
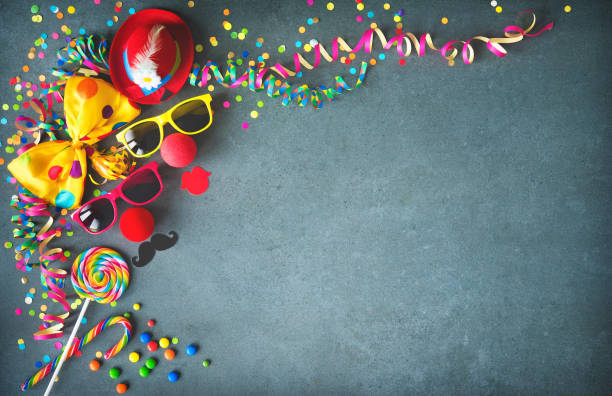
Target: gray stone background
x=439, y=230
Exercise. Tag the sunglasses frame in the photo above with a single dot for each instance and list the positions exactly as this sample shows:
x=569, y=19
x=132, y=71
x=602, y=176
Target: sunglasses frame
x=163, y=119
x=117, y=193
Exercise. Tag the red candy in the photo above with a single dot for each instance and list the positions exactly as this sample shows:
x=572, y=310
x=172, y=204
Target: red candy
x=137, y=224
x=150, y=323
x=152, y=346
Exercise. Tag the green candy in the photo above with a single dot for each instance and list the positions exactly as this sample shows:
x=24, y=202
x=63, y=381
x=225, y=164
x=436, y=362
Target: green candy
x=144, y=372
x=151, y=363
x=206, y=363
x=114, y=372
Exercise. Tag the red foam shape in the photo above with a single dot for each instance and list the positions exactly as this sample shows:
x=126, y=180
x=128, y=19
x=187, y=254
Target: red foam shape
x=136, y=224
x=196, y=181
x=178, y=150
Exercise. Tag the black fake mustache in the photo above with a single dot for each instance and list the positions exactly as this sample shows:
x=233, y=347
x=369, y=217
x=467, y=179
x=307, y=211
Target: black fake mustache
x=146, y=250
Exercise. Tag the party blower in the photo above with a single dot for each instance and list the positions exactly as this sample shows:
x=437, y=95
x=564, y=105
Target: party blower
x=98, y=274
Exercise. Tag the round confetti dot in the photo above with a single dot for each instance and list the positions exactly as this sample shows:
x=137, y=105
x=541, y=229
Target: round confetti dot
x=8, y=244
x=150, y=323
x=226, y=12
x=330, y=6
x=99, y=354
x=131, y=11
x=59, y=15
x=360, y=6
x=352, y=70
x=71, y=9
x=370, y=14
x=254, y=114
x=94, y=365
x=373, y=25
x=150, y=363
x=245, y=125
x=20, y=341
x=18, y=311
x=38, y=364
x=260, y=103
x=567, y=8
x=34, y=9
x=493, y=3
x=191, y=350
x=109, y=23
x=134, y=357
x=43, y=308
x=152, y=346
x=206, y=363
x=164, y=342
x=136, y=307
x=46, y=358
x=199, y=48
x=402, y=62
x=190, y=4
x=115, y=372
x=238, y=98
x=144, y=372
x=386, y=6
x=498, y=9
x=57, y=345
x=169, y=354
x=298, y=44
x=121, y=388
x=444, y=20
x=359, y=18
x=28, y=300
x=281, y=49
x=22, y=346
x=173, y=376
x=226, y=104
x=307, y=47
x=145, y=338
x=175, y=340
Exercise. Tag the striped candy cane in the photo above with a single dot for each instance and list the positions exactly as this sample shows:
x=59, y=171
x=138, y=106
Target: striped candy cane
x=78, y=345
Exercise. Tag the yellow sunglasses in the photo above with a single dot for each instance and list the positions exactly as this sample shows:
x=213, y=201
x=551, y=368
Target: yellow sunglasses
x=191, y=116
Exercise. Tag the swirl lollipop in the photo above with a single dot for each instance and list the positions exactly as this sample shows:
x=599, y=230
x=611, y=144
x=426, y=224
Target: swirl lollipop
x=98, y=274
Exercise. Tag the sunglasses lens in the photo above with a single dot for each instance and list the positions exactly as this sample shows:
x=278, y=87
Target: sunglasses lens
x=141, y=187
x=143, y=138
x=98, y=215
x=192, y=116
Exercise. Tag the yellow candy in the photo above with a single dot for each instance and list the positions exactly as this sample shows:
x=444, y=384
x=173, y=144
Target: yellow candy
x=136, y=307
x=164, y=342
x=134, y=357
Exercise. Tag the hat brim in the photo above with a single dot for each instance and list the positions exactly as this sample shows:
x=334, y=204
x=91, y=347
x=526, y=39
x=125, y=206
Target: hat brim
x=181, y=33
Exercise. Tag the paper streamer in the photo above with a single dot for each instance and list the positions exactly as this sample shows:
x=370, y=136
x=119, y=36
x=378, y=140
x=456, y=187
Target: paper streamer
x=404, y=43
x=255, y=75
x=78, y=345
x=52, y=279
x=83, y=50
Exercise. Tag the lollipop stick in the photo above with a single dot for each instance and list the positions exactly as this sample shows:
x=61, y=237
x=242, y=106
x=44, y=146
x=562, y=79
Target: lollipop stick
x=67, y=346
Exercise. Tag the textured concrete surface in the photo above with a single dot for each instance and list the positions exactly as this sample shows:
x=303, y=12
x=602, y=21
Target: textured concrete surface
x=439, y=230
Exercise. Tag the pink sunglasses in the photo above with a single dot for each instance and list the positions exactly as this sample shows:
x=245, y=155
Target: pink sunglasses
x=141, y=187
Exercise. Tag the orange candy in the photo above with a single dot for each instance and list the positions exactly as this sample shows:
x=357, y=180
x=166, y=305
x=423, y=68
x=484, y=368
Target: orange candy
x=121, y=388
x=94, y=365
x=169, y=354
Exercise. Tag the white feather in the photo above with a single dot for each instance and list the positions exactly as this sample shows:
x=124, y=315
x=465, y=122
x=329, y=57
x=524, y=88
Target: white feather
x=144, y=65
